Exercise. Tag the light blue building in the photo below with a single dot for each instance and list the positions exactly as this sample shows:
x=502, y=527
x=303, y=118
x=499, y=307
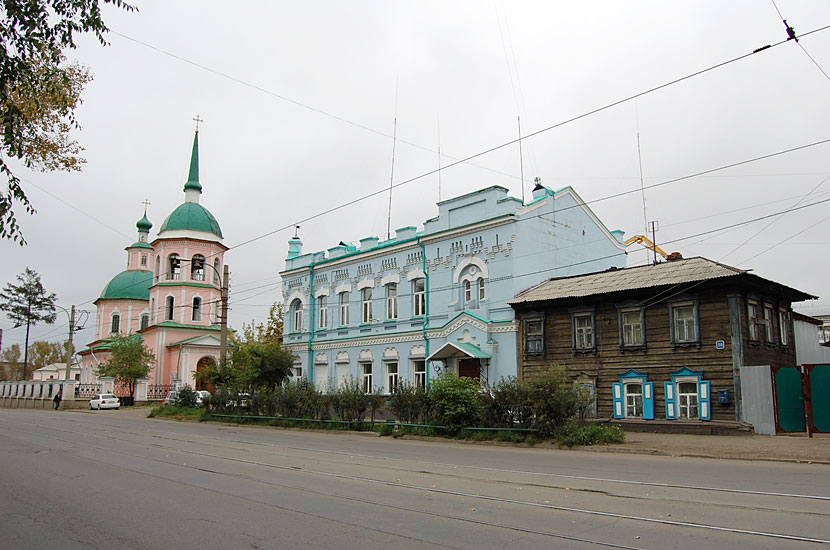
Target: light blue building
x=425, y=301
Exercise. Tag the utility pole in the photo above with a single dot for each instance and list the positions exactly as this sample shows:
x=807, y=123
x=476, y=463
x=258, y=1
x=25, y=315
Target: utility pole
x=223, y=335
x=69, y=349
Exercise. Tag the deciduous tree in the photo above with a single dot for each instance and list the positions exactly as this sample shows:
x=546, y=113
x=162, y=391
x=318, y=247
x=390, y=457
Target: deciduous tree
x=130, y=360
x=28, y=304
x=39, y=91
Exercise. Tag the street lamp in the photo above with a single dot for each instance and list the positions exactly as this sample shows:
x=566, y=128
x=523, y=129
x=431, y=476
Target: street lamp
x=72, y=328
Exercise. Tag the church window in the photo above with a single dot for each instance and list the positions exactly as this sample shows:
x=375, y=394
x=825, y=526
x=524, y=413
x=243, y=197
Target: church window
x=116, y=323
x=480, y=289
x=197, y=309
x=174, y=266
x=158, y=266
x=468, y=294
x=168, y=309
x=145, y=321
x=197, y=268
x=153, y=308
x=216, y=279
x=144, y=260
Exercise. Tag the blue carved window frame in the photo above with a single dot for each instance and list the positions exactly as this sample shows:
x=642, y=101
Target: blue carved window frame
x=704, y=407
x=618, y=394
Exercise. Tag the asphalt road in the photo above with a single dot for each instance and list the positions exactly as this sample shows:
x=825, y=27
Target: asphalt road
x=111, y=479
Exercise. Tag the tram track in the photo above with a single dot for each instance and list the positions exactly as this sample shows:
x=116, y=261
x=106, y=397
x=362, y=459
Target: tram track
x=432, y=489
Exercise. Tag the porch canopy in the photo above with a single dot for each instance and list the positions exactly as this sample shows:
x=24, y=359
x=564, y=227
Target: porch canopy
x=458, y=350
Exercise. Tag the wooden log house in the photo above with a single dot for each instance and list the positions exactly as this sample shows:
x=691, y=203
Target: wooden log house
x=664, y=341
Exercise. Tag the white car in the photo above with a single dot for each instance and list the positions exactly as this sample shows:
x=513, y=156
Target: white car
x=171, y=397
x=201, y=395
x=104, y=401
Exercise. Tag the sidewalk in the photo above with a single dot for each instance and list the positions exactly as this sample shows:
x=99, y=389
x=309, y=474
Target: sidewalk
x=781, y=448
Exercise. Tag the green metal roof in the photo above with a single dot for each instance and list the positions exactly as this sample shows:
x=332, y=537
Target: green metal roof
x=193, y=176
x=144, y=224
x=140, y=245
x=193, y=216
x=133, y=285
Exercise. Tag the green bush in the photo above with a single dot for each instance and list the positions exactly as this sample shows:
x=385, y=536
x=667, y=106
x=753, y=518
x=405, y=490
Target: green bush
x=508, y=404
x=186, y=397
x=553, y=400
x=410, y=404
x=377, y=400
x=575, y=433
x=455, y=402
x=298, y=399
x=349, y=402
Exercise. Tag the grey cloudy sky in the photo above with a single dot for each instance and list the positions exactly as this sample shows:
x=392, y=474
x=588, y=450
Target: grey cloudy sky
x=299, y=100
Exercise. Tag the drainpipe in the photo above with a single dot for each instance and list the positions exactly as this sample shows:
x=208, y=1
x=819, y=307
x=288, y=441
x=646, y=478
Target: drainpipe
x=311, y=322
x=426, y=306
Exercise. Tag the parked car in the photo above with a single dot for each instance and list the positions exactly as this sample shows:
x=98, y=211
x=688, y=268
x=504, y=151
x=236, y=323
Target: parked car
x=172, y=395
x=104, y=401
x=201, y=395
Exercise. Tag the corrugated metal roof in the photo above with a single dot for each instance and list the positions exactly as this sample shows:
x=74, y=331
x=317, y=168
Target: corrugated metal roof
x=666, y=273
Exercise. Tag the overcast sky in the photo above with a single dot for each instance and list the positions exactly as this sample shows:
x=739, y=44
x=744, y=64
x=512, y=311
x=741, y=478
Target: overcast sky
x=299, y=101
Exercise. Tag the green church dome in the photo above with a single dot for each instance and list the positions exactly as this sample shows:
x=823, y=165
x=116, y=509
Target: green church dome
x=193, y=216
x=133, y=285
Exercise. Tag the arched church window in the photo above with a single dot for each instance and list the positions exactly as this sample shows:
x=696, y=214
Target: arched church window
x=168, y=309
x=158, y=266
x=216, y=279
x=145, y=321
x=468, y=294
x=174, y=267
x=144, y=260
x=197, y=268
x=197, y=309
x=480, y=289
x=116, y=323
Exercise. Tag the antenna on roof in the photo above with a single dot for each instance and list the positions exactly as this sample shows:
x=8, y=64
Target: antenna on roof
x=392, y=172
x=521, y=161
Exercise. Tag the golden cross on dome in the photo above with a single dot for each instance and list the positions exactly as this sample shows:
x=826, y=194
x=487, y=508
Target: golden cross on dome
x=197, y=120
x=146, y=203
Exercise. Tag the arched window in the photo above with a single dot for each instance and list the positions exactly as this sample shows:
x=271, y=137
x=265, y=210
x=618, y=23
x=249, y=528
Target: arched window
x=116, y=323
x=158, y=266
x=145, y=321
x=168, y=309
x=197, y=268
x=143, y=260
x=153, y=308
x=480, y=289
x=297, y=310
x=174, y=266
x=468, y=294
x=216, y=279
x=197, y=310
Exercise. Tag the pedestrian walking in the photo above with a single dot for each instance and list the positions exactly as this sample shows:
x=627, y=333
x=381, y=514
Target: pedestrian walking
x=57, y=399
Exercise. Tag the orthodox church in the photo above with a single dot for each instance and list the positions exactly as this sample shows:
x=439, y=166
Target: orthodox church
x=169, y=294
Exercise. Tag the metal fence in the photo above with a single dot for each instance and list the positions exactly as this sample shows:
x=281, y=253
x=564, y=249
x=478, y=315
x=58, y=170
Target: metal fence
x=159, y=391
x=86, y=390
